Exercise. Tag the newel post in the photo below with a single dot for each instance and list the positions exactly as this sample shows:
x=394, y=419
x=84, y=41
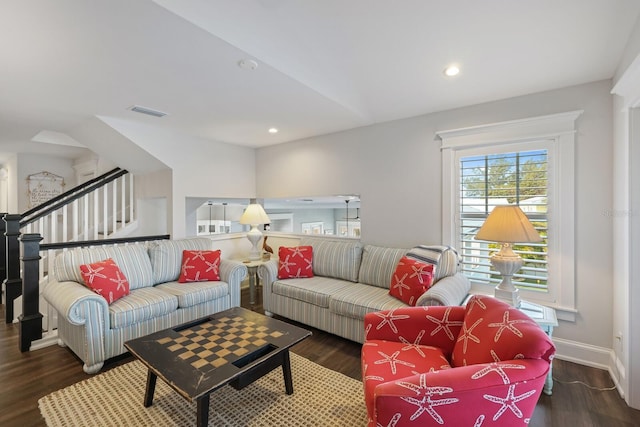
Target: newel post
x=31, y=318
x=12, y=283
x=3, y=248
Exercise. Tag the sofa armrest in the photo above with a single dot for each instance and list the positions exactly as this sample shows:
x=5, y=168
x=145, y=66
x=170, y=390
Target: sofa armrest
x=450, y=290
x=75, y=302
x=267, y=273
x=434, y=326
x=233, y=272
x=458, y=392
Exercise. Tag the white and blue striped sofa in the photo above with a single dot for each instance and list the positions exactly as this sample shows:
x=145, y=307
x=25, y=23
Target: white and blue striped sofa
x=351, y=280
x=96, y=331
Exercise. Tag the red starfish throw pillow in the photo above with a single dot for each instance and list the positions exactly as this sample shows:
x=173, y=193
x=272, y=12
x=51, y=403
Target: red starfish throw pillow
x=295, y=262
x=105, y=278
x=200, y=266
x=410, y=280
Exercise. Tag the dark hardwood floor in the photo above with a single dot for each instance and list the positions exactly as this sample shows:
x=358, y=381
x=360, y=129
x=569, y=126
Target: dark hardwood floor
x=26, y=377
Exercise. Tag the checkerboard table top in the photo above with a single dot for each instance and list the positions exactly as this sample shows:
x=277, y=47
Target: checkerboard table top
x=214, y=343
x=202, y=355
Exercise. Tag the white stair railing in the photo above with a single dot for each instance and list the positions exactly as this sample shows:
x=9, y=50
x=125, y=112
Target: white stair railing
x=94, y=216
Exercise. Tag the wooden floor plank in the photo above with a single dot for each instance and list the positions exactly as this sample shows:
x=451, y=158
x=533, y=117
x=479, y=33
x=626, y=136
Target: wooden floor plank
x=26, y=377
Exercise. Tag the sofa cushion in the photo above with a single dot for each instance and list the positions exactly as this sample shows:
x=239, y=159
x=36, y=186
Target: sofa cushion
x=194, y=293
x=314, y=290
x=333, y=258
x=295, y=262
x=106, y=279
x=200, y=266
x=410, y=280
x=356, y=300
x=140, y=305
x=166, y=256
x=378, y=265
x=133, y=261
x=445, y=259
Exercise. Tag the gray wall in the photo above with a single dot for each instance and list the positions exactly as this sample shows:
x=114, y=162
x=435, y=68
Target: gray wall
x=396, y=169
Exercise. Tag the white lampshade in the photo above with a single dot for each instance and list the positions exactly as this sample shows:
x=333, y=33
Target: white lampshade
x=508, y=224
x=254, y=214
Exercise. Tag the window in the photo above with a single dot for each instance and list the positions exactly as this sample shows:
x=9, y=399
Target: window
x=489, y=180
x=528, y=162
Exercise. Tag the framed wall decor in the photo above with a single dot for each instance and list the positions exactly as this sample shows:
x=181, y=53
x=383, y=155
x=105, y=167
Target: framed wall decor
x=43, y=186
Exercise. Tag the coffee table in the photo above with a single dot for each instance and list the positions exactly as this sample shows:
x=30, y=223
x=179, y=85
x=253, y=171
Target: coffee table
x=236, y=347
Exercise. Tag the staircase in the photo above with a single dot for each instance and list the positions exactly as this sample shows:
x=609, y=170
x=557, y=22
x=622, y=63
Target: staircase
x=93, y=210
x=98, y=210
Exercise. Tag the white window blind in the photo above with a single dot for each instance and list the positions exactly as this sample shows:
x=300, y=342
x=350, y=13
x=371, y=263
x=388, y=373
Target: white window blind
x=486, y=181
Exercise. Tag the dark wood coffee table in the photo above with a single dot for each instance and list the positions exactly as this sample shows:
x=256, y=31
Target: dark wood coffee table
x=235, y=347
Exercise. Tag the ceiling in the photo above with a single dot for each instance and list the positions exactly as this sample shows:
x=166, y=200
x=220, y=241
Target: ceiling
x=322, y=65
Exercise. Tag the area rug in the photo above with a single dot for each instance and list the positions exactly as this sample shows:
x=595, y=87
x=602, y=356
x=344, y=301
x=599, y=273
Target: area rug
x=321, y=397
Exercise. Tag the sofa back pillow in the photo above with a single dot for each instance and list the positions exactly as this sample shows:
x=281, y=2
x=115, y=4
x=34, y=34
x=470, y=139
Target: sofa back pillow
x=166, y=256
x=133, y=261
x=445, y=259
x=378, y=265
x=333, y=258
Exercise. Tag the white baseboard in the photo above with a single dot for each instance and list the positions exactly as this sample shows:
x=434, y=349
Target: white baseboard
x=48, y=339
x=593, y=356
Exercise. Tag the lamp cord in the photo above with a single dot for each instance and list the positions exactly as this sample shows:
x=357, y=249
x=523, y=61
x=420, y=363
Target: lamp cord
x=586, y=385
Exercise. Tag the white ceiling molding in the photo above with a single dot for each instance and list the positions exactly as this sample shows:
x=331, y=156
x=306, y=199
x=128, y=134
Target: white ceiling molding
x=628, y=86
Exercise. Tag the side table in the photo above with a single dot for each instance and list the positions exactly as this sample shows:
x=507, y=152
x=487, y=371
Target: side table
x=252, y=269
x=546, y=318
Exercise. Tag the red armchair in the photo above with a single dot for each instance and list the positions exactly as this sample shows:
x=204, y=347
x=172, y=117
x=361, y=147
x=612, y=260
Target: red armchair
x=480, y=365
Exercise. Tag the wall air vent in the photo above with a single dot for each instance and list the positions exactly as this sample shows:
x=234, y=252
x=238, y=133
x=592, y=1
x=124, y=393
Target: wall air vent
x=147, y=111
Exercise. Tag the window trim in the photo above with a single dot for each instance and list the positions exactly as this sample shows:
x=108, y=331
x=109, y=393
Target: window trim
x=556, y=130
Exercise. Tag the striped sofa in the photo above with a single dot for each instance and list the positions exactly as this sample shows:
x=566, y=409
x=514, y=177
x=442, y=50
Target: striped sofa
x=351, y=280
x=96, y=331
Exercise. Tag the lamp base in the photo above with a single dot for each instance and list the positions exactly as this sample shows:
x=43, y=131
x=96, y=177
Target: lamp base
x=254, y=235
x=507, y=263
x=510, y=297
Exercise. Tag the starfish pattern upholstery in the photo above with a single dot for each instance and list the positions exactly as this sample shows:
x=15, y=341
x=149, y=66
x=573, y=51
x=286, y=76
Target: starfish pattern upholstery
x=295, y=262
x=410, y=280
x=484, y=364
x=200, y=266
x=105, y=278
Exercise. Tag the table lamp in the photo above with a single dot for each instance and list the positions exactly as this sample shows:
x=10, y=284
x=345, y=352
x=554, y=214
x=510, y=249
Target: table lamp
x=507, y=225
x=254, y=215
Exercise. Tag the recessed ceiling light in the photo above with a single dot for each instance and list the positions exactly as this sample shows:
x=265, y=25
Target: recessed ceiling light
x=273, y=130
x=248, y=64
x=451, y=70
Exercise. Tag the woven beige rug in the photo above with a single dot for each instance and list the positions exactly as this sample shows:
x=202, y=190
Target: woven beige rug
x=321, y=397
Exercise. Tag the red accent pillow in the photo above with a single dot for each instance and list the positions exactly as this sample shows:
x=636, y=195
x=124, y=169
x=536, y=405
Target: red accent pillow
x=105, y=278
x=494, y=331
x=295, y=262
x=410, y=280
x=200, y=266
